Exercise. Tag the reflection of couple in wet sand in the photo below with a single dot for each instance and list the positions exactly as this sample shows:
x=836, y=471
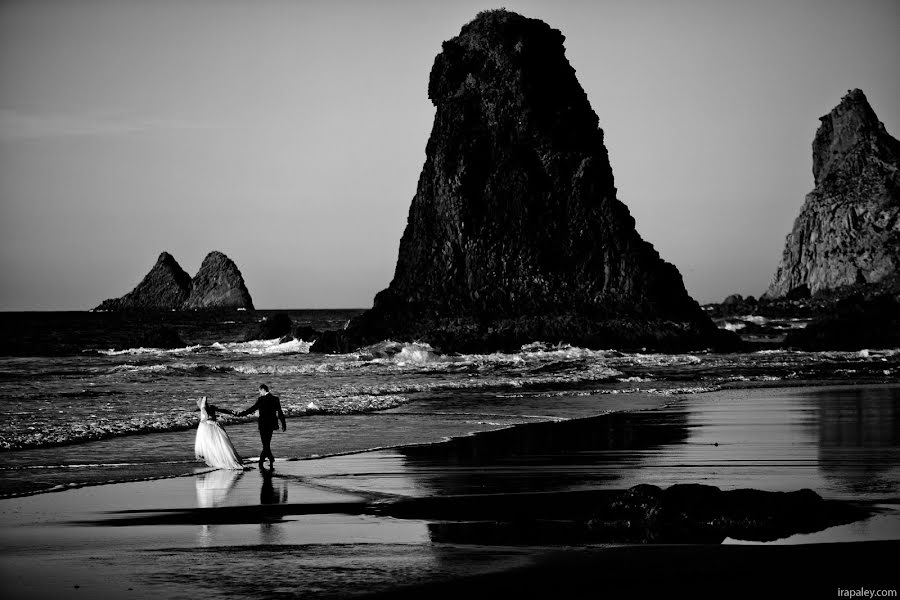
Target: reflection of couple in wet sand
x=213, y=444
x=213, y=488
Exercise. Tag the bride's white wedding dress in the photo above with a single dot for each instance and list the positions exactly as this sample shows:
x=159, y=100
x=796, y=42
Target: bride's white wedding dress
x=212, y=444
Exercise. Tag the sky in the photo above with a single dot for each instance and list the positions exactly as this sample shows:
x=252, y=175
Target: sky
x=290, y=135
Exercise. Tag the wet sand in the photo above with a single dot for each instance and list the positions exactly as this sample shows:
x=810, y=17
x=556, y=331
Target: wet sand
x=319, y=528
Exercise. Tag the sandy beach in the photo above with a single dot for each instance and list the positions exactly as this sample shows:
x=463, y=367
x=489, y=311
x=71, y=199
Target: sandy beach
x=434, y=520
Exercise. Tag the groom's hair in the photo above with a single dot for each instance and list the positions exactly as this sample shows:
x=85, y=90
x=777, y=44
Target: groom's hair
x=264, y=387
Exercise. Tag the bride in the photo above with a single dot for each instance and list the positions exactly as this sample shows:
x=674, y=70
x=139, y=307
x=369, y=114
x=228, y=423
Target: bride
x=213, y=444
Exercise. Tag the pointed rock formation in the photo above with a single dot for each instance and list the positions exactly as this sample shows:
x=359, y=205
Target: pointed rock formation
x=848, y=230
x=165, y=287
x=515, y=233
x=218, y=284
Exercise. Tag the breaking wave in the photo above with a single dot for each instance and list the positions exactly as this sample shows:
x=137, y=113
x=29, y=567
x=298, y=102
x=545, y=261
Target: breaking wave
x=255, y=347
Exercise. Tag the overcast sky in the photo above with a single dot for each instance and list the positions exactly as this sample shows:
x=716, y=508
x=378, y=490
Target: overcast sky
x=290, y=135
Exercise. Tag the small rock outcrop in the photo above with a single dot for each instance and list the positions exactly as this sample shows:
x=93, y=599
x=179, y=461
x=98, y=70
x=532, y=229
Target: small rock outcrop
x=694, y=513
x=515, y=233
x=848, y=230
x=218, y=284
x=165, y=287
x=278, y=325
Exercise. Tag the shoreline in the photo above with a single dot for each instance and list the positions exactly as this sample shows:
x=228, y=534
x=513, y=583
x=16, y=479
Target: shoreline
x=187, y=467
x=249, y=462
x=674, y=391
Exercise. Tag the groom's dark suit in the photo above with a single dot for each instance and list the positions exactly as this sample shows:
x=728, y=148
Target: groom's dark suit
x=270, y=412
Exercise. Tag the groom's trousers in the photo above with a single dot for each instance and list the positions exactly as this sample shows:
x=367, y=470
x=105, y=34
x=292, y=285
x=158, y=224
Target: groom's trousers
x=265, y=435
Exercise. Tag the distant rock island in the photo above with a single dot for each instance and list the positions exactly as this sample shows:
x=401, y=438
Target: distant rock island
x=848, y=230
x=218, y=284
x=515, y=233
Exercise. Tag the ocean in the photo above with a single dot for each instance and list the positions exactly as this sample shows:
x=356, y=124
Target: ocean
x=79, y=406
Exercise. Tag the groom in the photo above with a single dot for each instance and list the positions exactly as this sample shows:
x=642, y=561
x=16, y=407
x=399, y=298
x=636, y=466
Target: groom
x=269, y=408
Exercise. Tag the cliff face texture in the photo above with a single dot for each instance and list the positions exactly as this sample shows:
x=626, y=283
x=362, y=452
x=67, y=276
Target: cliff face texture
x=515, y=233
x=218, y=284
x=848, y=230
x=165, y=287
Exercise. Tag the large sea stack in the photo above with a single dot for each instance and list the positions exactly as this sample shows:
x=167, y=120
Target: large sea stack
x=218, y=284
x=848, y=230
x=515, y=233
x=165, y=287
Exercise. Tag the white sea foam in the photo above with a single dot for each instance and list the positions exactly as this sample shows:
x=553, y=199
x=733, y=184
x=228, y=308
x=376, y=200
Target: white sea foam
x=256, y=347
x=186, y=367
x=874, y=353
x=265, y=347
x=755, y=319
x=152, y=351
x=130, y=368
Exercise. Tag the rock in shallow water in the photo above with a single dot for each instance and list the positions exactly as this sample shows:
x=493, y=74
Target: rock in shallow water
x=853, y=323
x=275, y=326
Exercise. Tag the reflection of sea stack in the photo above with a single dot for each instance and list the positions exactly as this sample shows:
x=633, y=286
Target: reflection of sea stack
x=848, y=230
x=218, y=284
x=515, y=233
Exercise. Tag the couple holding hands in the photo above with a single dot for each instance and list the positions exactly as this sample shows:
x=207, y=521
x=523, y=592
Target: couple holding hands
x=213, y=444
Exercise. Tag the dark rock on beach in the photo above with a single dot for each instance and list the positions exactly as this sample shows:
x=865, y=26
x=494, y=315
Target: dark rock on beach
x=218, y=284
x=694, y=513
x=165, y=287
x=848, y=230
x=515, y=233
